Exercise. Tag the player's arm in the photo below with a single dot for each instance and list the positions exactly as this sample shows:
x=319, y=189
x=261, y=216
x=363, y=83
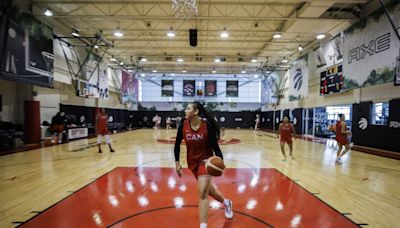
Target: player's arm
x=212, y=138
x=96, y=122
x=177, y=149
x=293, y=130
x=343, y=130
x=279, y=130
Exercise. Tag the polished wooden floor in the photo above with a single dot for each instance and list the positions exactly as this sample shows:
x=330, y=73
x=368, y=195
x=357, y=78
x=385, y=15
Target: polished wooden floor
x=367, y=187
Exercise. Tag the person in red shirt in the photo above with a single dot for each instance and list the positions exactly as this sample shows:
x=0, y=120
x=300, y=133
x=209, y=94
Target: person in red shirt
x=201, y=138
x=341, y=138
x=286, y=129
x=102, y=129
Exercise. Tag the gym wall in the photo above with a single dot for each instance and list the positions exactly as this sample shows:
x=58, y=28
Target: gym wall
x=377, y=136
x=13, y=96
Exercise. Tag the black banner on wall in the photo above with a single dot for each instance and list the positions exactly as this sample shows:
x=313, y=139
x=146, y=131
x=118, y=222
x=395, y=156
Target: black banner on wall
x=397, y=72
x=27, y=55
x=167, y=88
x=189, y=88
x=232, y=88
x=211, y=88
x=297, y=120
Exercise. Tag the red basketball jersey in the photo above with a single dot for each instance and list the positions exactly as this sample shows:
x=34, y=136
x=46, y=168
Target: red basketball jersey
x=341, y=138
x=286, y=130
x=198, y=147
x=102, y=122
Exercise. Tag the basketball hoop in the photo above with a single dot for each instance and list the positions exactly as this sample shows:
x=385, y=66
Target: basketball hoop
x=184, y=8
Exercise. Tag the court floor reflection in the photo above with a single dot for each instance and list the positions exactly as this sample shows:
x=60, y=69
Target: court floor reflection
x=157, y=197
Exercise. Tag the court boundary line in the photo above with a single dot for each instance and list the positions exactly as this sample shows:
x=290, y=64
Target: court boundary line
x=135, y=168
x=191, y=206
x=322, y=201
x=94, y=180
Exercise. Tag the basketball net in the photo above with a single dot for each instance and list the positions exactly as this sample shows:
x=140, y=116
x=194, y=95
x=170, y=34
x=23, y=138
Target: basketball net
x=184, y=8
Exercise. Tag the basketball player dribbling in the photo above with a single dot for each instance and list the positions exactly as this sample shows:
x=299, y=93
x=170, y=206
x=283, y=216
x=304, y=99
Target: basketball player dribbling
x=201, y=138
x=341, y=138
x=102, y=129
x=286, y=129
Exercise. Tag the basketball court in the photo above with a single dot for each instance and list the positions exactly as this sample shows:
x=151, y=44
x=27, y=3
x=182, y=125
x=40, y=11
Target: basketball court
x=92, y=94
x=60, y=186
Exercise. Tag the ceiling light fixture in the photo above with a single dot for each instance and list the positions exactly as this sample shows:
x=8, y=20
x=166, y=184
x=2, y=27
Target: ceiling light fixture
x=301, y=48
x=48, y=13
x=179, y=60
x=284, y=60
x=171, y=33
x=224, y=34
x=75, y=32
x=118, y=33
x=113, y=59
x=277, y=36
x=321, y=36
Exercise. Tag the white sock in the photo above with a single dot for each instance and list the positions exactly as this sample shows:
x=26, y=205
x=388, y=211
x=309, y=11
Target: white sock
x=226, y=202
x=203, y=225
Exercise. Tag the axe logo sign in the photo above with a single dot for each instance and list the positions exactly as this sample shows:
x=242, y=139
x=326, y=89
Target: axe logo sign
x=382, y=43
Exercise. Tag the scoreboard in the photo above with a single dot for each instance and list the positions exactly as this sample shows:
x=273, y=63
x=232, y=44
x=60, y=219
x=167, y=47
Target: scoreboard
x=331, y=80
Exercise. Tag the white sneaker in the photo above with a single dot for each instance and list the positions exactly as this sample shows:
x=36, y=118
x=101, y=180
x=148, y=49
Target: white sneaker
x=228, y=210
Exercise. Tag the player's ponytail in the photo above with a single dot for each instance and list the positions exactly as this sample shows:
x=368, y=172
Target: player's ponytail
x=204, y=113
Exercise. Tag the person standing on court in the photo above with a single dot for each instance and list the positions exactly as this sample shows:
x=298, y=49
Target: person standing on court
x=285, y=131
x=157, y=121
x=201, y=138
x=57, y=127
x=341, y=138
x=168, y=123
x=102, y=129
x=178, y=121
x=257, y=125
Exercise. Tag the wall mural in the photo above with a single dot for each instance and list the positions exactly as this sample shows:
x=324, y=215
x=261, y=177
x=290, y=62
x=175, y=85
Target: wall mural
x=371, y=50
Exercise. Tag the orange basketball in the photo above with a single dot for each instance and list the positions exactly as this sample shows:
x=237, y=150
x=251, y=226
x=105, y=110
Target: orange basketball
x=215, y=166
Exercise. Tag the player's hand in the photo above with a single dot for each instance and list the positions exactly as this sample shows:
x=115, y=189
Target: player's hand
x=179, y=169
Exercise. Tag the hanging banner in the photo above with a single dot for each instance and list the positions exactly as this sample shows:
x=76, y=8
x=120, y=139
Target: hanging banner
x=129, y=88
x=269, y=88
x=397, y=74
x=330, y=53
x=371, y=51
x=27, y=54
x=167, y=88
x=103, y=82
x=232, y=88
x=189, y=87
x=96, y=83
x=298, y=79
x=211, y=88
